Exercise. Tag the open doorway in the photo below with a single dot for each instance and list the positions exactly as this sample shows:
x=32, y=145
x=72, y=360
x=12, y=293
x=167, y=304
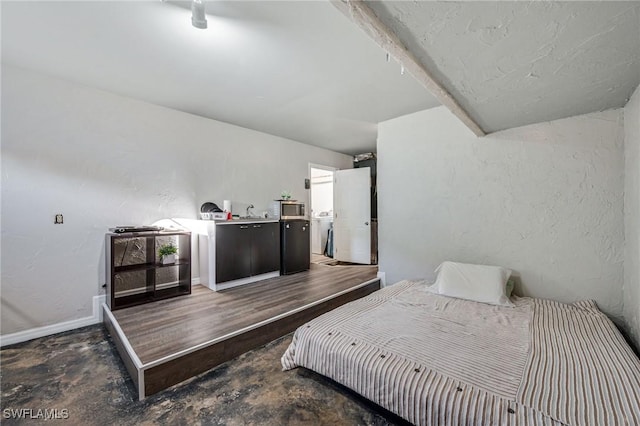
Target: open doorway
x=321, y=208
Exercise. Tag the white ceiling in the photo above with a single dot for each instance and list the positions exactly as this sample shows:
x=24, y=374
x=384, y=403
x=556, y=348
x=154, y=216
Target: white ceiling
x=302, y=70
x=511, y=63
x=299, y=70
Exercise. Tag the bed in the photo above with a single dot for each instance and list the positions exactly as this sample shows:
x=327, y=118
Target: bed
x=438, y=360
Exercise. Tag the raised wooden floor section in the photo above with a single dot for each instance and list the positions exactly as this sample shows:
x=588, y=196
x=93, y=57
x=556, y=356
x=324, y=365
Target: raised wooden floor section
x=166, y=342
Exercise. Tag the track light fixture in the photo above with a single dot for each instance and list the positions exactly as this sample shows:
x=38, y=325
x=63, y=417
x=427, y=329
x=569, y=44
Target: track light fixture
x=198, y=17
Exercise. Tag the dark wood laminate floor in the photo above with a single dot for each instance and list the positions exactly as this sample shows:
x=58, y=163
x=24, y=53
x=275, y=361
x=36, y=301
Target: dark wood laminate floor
x=166, y=327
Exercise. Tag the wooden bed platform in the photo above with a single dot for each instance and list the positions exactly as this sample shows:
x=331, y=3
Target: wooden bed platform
x=165, y=342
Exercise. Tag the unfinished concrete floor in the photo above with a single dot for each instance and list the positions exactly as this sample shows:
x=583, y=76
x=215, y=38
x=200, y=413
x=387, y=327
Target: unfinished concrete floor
x=80, y=372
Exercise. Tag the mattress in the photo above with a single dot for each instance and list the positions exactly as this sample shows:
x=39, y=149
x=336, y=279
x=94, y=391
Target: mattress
x=435, y=360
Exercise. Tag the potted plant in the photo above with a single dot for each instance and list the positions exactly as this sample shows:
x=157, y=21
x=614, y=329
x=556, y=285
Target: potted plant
x=285, y=195
x=167, y=253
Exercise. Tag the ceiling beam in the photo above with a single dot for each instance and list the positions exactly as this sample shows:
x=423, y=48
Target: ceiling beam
x=366, y=19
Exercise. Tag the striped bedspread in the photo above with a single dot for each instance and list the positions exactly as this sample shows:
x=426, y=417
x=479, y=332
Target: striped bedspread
x=435, y=360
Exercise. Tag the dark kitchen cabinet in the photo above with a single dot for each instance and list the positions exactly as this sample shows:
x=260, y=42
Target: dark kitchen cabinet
x=265, y=248
x=233, y=252
x=135, y=273
x=245, y=250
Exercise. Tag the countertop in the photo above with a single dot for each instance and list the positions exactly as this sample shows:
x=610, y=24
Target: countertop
x=243, y=221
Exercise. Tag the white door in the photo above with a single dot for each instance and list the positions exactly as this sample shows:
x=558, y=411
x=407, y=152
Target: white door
x=352, y=215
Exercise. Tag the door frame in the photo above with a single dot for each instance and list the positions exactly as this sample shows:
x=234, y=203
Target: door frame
x=316, y=166
x=320, y=167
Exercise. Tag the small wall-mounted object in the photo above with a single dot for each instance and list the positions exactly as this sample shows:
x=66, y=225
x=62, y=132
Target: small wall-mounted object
x=307, y=184
x=59, y=220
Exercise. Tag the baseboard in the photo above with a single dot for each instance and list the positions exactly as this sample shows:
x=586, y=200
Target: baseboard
x=47, y=330
x=241, y=281
x=34, y=333
x=383, y=279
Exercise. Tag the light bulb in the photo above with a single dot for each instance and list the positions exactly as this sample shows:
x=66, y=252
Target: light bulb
x=198, y=17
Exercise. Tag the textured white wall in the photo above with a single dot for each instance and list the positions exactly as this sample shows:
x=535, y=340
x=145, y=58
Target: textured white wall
x=545, y=200
x=494, y=57
x=104, y=160
x=632, y=217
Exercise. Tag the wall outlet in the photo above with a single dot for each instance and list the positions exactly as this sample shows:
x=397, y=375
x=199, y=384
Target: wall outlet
x=59, y=220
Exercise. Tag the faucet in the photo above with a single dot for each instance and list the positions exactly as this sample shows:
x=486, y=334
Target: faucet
x=248, y=208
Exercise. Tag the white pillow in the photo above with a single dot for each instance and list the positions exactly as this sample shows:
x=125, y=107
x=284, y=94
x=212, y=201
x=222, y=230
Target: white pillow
x=480, y=283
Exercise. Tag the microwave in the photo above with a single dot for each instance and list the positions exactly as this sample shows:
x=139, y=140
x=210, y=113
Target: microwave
x=285, y=210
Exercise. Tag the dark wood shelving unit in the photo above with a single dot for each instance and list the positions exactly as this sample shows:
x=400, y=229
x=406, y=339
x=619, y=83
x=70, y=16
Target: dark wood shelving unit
x=135, y=273
x=147, y=266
